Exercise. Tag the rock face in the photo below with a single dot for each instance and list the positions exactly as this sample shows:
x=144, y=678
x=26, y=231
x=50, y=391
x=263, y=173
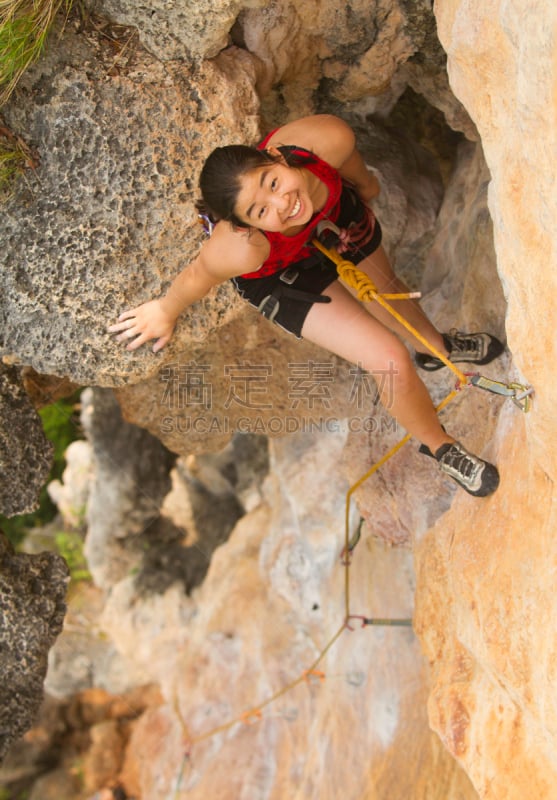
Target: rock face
x=121, y=146
x=179, y=29
x=485, y=583
x=32, y=607
x=25, y=453
x=122, y=133
x=271, y=601
x=131, y=479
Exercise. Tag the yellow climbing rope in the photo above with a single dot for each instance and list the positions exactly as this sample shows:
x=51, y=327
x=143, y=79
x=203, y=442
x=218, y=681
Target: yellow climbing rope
x=366, y=292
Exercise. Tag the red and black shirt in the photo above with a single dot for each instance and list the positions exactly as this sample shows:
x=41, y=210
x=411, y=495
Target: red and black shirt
x=286, y=250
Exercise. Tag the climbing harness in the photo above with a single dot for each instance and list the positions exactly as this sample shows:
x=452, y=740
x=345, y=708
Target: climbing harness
x=269, y=306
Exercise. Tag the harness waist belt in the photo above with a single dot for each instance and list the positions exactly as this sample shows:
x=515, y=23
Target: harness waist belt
x=269, y=306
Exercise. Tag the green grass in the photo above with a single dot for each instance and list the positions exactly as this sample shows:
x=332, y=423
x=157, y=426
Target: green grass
x=13, y=162
x=69, y=544
x=24, y=29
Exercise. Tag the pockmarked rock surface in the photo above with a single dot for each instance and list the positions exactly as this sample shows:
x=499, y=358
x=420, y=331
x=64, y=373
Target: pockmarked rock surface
x=177, y=30
x=122, y=137
x=32, y=607
x=121, y=142
x=25, y=452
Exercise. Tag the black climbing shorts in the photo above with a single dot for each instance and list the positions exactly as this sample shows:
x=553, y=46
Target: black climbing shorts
x=311, y=276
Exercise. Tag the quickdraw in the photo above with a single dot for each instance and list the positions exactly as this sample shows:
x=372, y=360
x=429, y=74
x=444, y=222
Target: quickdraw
x=518, y=392
x=406, y=623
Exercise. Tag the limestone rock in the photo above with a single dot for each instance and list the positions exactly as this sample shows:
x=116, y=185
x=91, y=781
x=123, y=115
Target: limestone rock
x=32, y=591
x=46, y=389
x=105, y=755
x=461, y=284
x=486, y=574
x=272, y=599
x=71, y=494
x=411, y=193
x=75, y=749
x=240, y=469
x=25, y=453
x=81, y=660
x=58, y=784
x=121, y=142
x=180, y=29
x=521, y=193
x=131, y=478
x=481, y=597
x=359, y=55
x=250, y=377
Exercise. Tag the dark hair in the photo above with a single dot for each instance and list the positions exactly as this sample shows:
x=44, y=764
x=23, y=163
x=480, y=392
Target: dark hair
x=220, y=179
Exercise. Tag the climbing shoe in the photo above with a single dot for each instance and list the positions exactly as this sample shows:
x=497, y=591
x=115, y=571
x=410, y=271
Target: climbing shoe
x=478, y=477
x=474, y=348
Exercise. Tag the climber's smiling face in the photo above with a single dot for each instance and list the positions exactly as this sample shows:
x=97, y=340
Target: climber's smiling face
x=274, y=198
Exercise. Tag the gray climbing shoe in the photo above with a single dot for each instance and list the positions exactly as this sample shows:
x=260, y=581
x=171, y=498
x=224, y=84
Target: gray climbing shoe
x=476, y=476
x=473, y=348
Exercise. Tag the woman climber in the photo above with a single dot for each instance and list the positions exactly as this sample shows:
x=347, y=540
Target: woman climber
x=264, y=206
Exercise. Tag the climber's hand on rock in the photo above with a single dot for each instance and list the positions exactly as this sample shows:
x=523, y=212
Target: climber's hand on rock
x=139, y=325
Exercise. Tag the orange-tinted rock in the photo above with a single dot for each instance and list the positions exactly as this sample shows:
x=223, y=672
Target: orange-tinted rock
x=486, y=570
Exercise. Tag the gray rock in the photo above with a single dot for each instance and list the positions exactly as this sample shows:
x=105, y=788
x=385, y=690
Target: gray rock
x=32, y=608
x=108, y=218
x=131, y=471
x=179, y=29
x=25, y=452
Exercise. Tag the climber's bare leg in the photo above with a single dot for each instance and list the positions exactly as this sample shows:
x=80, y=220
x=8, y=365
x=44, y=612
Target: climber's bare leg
x=345, y=328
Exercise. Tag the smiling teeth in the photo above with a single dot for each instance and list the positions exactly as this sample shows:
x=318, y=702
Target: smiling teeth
x=296, y=208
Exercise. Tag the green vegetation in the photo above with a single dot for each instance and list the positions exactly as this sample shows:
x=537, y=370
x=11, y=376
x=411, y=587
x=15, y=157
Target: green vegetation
x=13, y=161
x=69, y=544
x=24, y=28
x=7, y=794
x=61, y=426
